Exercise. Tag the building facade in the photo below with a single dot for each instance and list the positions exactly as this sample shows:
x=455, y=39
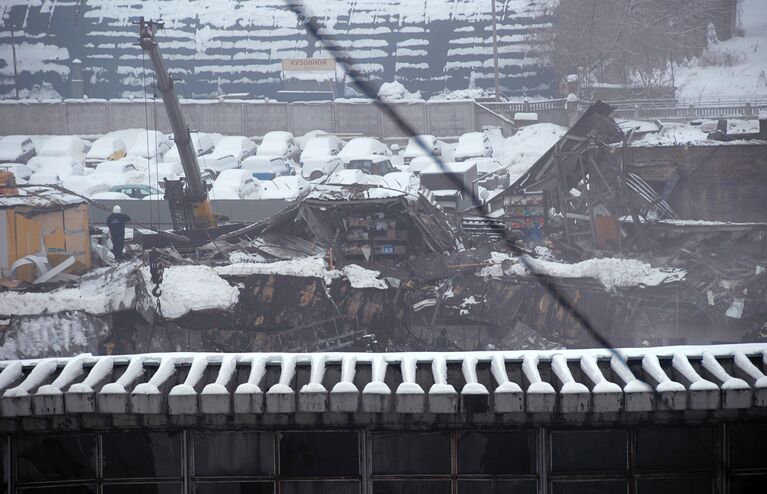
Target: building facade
x=676, y=420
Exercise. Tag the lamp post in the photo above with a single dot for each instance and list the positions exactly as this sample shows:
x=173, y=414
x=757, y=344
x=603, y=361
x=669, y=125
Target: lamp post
x=15, y=72
x=495, y=56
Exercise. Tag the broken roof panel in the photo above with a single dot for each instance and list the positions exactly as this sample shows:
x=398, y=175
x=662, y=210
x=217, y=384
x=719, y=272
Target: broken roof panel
x=40, y=197
x=595, y=122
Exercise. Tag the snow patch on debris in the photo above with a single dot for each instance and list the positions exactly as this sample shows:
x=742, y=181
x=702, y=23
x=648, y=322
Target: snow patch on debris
x=61, y=334
x=360, y=277
x=707, y=223
x=611, y=272
x=313, y=267
x=307, y=267
x=245, y=257
x=495, y=268
x=192, y=288
x=104, y=291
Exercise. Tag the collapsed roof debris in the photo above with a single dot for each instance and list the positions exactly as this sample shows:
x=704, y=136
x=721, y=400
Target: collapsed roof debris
x=365, y=267
x=353, y=227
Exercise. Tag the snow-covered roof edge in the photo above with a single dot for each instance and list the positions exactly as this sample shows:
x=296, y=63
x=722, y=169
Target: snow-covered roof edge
x=692, y=378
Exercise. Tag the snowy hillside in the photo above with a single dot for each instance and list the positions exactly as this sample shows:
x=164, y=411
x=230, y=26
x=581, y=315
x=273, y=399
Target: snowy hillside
x=235, y=46
x=736, y=68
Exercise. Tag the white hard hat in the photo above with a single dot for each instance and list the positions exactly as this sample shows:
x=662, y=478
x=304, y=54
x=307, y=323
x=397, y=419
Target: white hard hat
x=117, y=209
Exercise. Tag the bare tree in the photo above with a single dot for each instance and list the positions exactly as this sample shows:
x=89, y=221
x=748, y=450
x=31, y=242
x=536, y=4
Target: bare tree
x=630, y=41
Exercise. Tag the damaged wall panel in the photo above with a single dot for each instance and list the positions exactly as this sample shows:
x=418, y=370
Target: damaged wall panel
x=719, y=182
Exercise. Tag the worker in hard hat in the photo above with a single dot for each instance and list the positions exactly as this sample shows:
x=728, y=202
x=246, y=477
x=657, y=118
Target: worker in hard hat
x=116, y=223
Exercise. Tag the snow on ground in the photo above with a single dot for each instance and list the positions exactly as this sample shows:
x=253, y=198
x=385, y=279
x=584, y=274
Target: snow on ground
x=524, y=148
x=611, y=272
x=192, y=288
x=736, y=68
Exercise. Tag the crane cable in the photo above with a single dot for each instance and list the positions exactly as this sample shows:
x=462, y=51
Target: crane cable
x=146, y=130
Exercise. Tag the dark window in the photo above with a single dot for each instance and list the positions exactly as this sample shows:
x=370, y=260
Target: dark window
x=319, y=453
x=142, y=489
x=675, y=448
x=411, y=487
x=141, y=454
x=235, y=488
x=318, y=487
x=233, y=453
x=589, y=451
x=590, y=487
x=2, y=464
x=497, y=487
x=497, y=453
x=746, y=446
x=748, y=484
x=66, y=457
x=676, y=485
x=411, y=453
x=69, y=489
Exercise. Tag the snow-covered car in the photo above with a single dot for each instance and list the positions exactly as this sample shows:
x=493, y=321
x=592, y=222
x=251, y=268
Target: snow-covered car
x=289, y=188
x=151, y=144
x=233, y=184
x=321, y=147
x=362, y=147
x=485, y=165
x=353, y=177
x=68, y=147
x=110, y=196
x=56, y=166
x=280, y=144
x=201, y=141
x=228, y=154
x=108, y=147
x=136, y=191
x=317, y=168
x=19, y=170
x=304, y=139
x=166, y=170
x=401, y=181
x=372, y=165
x=44, y=178
x=414, y=149
x=266, y=167
x=119, y=167
x=85, y=185
x=473, y=145
x=16, y=149
x=154, y=197
x=421, y=163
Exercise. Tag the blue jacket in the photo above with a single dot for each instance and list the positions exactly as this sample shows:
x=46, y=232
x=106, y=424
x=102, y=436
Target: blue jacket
x=116, y=223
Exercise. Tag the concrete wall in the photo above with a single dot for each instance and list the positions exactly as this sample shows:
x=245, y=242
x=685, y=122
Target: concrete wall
x=250, y=118
x=156, y=213
x=719, y=182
